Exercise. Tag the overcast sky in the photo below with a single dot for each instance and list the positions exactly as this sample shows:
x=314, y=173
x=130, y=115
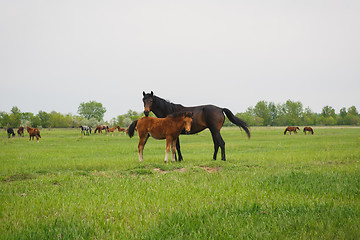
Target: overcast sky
x=56, y=54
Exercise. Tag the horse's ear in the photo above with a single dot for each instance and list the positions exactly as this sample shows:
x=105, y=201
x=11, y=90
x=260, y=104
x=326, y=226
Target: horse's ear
x=152, y=94
x=144, y=93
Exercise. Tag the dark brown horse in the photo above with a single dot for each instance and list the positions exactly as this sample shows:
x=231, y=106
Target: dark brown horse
x=99, y=128
x=308, y=129
x=168, y=128
x=291, y=129
x=20, y=131
x=10, y=132
x=33, y=132
x=205, y=116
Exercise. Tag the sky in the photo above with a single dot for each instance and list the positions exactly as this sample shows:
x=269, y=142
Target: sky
x=55, y=55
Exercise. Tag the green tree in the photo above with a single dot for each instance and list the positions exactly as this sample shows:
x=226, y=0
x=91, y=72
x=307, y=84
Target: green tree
x=328, y=111
x=353, y=111
x=308, y=117
x=4, y=119
x=15, y=117
x=263, y=113
x=44, y=118
x=92, y=109
x=292, y=111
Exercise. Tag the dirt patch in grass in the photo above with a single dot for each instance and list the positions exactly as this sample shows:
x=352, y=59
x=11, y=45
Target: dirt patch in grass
x=18, y=177
x=211, y=169
x=163, y=172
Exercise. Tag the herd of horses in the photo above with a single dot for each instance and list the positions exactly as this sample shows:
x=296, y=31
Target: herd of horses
x=33, y=132
x=86, y=130
x=170, y=122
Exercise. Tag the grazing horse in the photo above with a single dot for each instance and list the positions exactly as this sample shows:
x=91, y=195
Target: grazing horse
x=168, y=128
x=121, y=130
x=309, y=129
x=291, y=129
x=86, y=130
x=33, y=132
x=205, y=116
x=10, y=131
x=111, y=130
x=20, y=131
x=99, y=128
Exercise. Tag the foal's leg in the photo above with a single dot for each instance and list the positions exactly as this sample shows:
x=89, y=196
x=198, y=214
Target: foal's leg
x=167, y=149
x=141, y=146
x=173, y=150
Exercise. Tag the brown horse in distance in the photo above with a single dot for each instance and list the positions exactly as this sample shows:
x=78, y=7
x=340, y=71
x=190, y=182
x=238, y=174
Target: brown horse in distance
x=204, y=116
x=308, y=129
x=20, y=131
x=33, y=132
x=291, y=129
x=121, y=130
x=111, y=130
x=99, y=128
x=168, y=128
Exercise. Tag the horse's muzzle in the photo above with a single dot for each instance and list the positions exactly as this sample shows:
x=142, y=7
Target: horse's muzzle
x=187, y=132
x=146, y=113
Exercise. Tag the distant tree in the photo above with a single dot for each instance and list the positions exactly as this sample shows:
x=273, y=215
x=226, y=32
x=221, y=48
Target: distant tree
x=273, y=112
x=308, y=117
x=93, y=122
x=44, y=119
x=292, y=111
x=353, y=111
x=15, y=117
x=343, y=112
x=92, y=109
x=27, y=116
x=4, y=119
x=263, y=113
x=328, y=111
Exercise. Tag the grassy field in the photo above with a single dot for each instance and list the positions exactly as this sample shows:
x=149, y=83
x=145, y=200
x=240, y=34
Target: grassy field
x=69, y=186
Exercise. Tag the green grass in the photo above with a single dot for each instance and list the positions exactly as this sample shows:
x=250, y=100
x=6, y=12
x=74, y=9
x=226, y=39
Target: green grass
x=69, y=186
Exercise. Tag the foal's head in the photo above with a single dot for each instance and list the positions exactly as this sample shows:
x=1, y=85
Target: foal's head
x=188, y=121
x=148, y=101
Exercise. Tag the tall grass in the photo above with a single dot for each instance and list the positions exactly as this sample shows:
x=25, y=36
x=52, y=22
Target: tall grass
x=69, y=186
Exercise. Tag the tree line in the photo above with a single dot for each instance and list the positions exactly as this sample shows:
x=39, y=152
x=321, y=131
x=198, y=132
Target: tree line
x=263, y=113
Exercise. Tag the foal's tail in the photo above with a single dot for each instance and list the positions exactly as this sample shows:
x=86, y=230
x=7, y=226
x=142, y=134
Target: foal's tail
x=132, y=128
x=239, y=122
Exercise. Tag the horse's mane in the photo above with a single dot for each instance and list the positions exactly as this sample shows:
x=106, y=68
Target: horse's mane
x=165, y=106
x=180, y=114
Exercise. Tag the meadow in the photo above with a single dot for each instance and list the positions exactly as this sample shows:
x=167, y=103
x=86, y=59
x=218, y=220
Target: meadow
x=272, y=186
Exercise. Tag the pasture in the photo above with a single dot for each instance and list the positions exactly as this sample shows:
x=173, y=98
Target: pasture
x=272, y=186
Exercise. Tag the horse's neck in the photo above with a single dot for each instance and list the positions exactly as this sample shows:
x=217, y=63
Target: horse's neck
x=162, y=108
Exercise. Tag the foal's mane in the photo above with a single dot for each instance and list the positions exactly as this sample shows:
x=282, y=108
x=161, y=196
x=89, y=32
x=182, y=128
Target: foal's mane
x=180, y=114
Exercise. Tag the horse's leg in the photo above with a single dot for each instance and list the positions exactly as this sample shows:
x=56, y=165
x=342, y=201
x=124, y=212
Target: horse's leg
x=218, y=142
x=167, y=149
x=141, y=146
x=173, y=150
x=178, y=150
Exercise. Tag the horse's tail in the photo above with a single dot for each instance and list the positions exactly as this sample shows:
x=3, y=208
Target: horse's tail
x=239, y=122
x=132, y=128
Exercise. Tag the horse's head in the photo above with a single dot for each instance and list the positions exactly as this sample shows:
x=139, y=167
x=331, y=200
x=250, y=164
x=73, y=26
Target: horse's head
x=148, y=101
x=188, y=120
x=298, y=128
